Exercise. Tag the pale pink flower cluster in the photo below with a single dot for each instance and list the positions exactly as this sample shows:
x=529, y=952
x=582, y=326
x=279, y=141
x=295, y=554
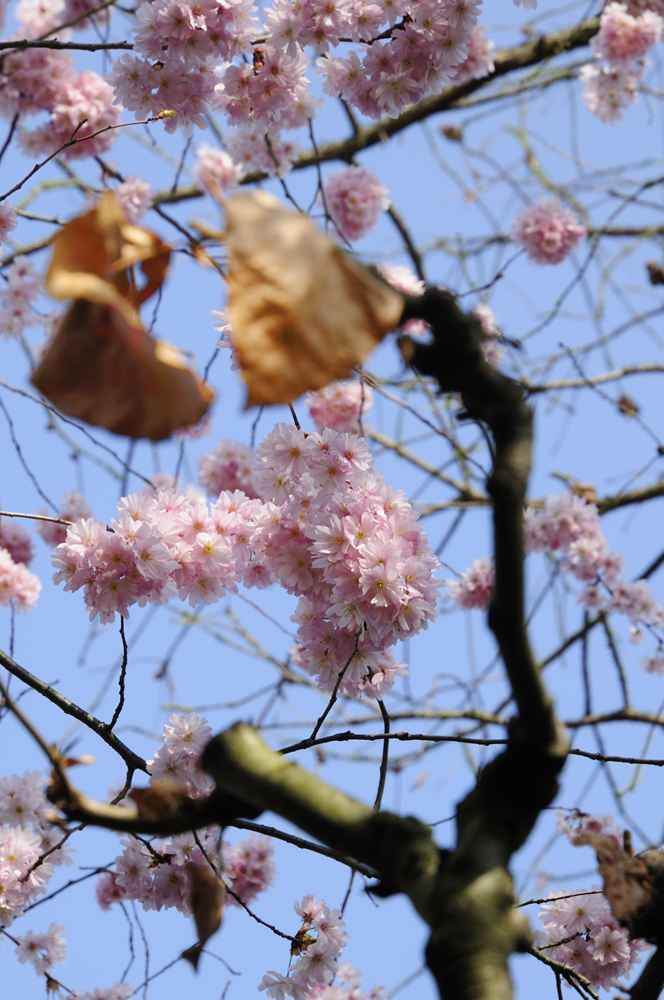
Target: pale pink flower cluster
x=318, y=961
x=328, y=529
x=134, y=196
x=24, y=837
x=42, y=950
x=600, y=949
x=574, y=824
x=569, y=528
x=340, y=405
x=16, y=540
x=479, y=61
x=355, y=199
x=181, y=47
x=73, y=507
x=474, y=588
x=43, y=80
x=621, y=45
x=215, y=170
x=162, y=545
x=609, y=90
x=23, y=288
x=385, y=77
x=654, y=664
x=161, y=878
x=185, y=737
x=74, y=8
x=623, y=39
x=119, y=991
x=228, y=467
x=252, y=867
x=547, y=231
x=17, y=584
x=350, y=548
x=254, y=149
x=8, y=221
x=346, y=987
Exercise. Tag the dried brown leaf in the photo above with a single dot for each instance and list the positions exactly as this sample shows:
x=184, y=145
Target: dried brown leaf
x=303, y=312
x=158, y=801
x=627, y=880
x=102, y=366
x=206, y=898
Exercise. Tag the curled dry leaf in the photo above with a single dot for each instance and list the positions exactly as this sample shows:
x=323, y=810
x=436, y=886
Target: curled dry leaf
x=206, y=898
x=160, y=800
x=303, y=312
x=627, y=878
x=102, y=366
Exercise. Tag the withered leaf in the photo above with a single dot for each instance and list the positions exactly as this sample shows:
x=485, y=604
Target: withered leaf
x=303, y=312
x=158, y=801
x=102, y=366
x=627, y=880
x=206, y=898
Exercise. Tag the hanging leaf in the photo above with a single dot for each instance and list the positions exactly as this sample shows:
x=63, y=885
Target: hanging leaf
x=206, y=898
x=302, y=311
x=102, y=366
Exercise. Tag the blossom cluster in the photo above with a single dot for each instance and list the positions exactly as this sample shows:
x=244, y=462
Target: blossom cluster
x=160, y=876
x=420, y=59
x=119, y=991
x=161, y=545
x=192, y=59
x=23, y=288
x=229, y=466
x=18, y=586
x=73, y=507
x=346, y=987
x=8, y=221
x=577, y=823
x=350, y=548
x=215, y=169
x=24, y=837
x=547, y=231
x=624, y=39
x=568, y=529
x=341, y=406
x=317, y=964
x=134, y=196
x=326, y=527
x=354, y=199
x=474, y=587
x=479, y=61
x=45, y=80
x=16, y=541
x=600, y=949
x=43, y=949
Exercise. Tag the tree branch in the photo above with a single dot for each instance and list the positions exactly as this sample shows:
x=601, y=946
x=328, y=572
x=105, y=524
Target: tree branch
x=101, y=729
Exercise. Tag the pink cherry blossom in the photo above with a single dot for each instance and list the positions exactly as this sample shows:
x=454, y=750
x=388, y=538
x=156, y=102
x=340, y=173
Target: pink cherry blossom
x=135, y=197
x=474, y=588
x=355, y=199
x=547, y=231
x=8, y=221
x=339, y=404
x=215, y=169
